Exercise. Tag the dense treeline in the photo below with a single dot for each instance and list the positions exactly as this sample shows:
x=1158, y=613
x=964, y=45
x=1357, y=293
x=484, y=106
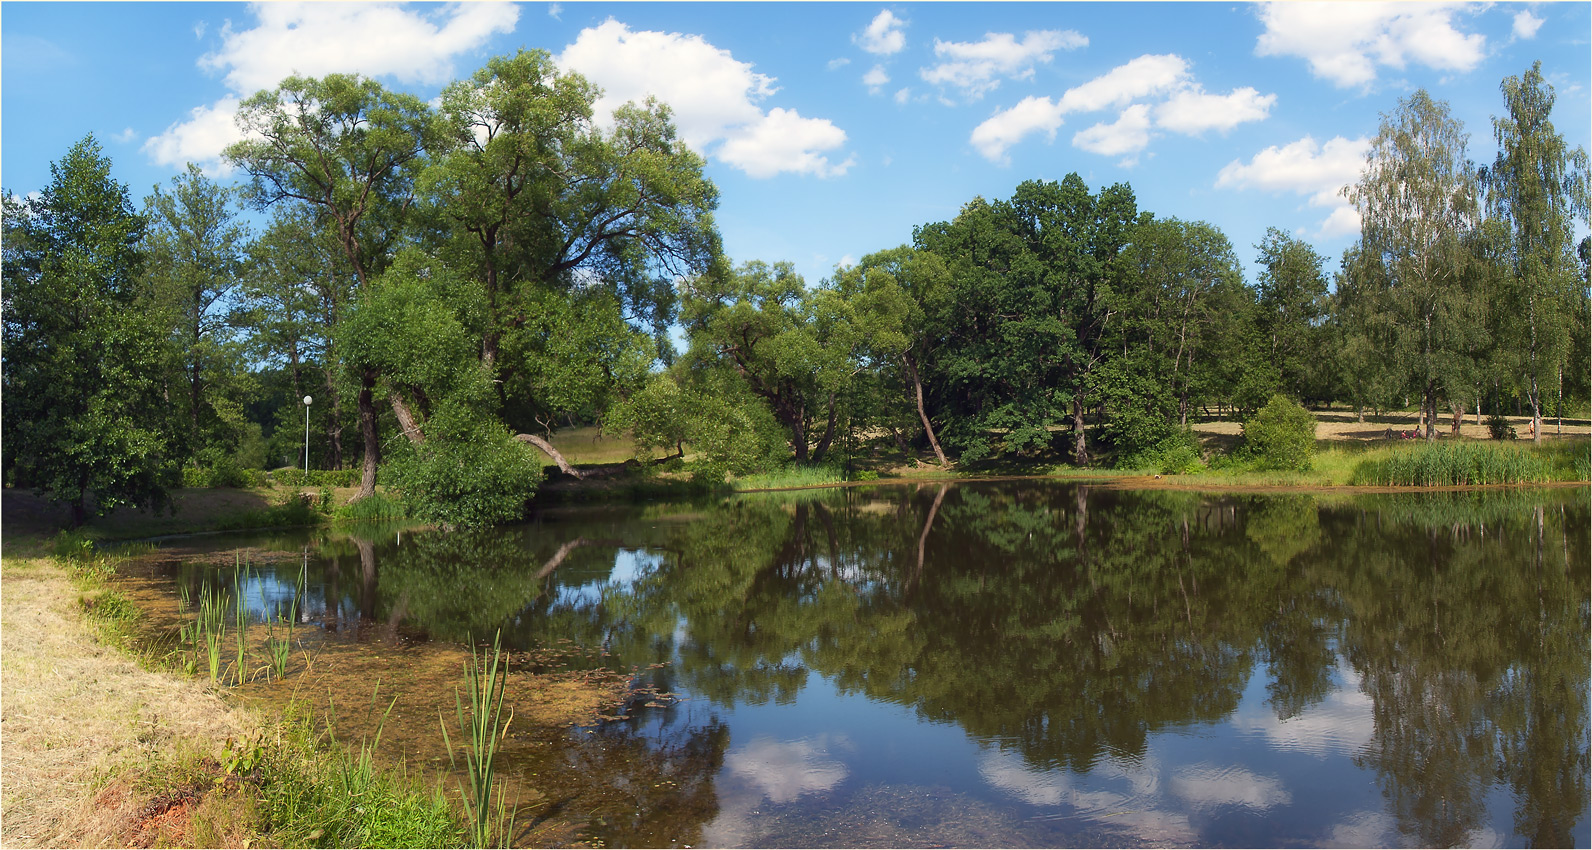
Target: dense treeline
x=451, y=283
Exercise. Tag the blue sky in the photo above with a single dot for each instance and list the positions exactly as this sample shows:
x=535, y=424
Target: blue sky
x=833, y=129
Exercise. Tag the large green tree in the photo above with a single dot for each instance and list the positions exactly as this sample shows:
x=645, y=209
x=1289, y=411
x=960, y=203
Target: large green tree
x=896, y=294
x=793, y=346
x=1417, y=203
x=1030, y=303
x=297, y=290
x=1293, y=302
x=196, y=251
x=349, y=149
x=1534, y=186
x=83, y=350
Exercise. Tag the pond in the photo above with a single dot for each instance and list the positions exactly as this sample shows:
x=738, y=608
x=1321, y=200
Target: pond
x=1009, y=664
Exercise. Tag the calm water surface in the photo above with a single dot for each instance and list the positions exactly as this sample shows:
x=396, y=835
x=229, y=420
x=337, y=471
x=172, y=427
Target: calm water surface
x=1028, y=664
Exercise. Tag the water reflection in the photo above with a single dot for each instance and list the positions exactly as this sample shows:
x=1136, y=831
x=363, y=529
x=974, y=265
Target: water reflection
x=1082, y=664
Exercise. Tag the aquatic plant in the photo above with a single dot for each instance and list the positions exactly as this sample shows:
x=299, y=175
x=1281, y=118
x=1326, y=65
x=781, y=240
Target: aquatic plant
x=487, y=815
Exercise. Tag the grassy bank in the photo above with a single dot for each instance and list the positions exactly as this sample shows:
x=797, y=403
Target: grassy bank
x=105, y=747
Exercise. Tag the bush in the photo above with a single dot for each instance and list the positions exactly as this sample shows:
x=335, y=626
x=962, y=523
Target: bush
x=469, y=473
x=223, y=474
x=1499, y=427
x=290, y=476
x=1281, y=436
x=1177, y=454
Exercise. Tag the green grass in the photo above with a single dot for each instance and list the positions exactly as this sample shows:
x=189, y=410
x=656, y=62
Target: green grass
x=310, y=791
x=589, y=445
x=789, y=478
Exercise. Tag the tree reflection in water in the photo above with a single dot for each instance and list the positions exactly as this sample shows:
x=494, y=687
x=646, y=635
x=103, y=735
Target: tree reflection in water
x=1066, y=624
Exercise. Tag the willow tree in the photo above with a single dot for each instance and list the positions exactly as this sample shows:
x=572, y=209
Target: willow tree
x=349, y=149
x=542, y=204
x=1417, y=203
x=1535, y=185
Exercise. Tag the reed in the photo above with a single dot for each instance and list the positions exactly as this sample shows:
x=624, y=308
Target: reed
x=1452, y=464
x=487, y=815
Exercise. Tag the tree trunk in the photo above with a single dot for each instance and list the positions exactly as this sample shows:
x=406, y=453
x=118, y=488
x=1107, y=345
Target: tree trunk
x=1536, y=410
x=367, y=429
x=1080, y=449
x=829, y=433
x=334, y=428
x=406, y=418
x=547, y=449
x=917, y=391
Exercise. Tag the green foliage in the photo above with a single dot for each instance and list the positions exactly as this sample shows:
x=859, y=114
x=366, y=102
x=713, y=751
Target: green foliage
x=1536, y=188
x=1281, y=436
x=1293, y=300
x=730, y=430
x=1443, y=464
x=196, y=249
x=791, y=346
x=1418, y=204
x=83, y=415
x=1499, y=427
x=372, y=508
x=292, y=476
x=468, y=473
x=791, y=478
x=485, y=810
x=1177, y=454
x=314, y=793
x=1024, y=319
x=220, y=469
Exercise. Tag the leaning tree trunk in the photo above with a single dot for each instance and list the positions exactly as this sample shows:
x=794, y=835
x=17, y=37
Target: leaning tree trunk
x=917, y=390
x=406, y=418
x=547, y=449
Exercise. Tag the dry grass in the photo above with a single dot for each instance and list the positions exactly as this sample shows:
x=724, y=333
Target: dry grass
x=1343, y=427
x=77, y=714
x=590, y=446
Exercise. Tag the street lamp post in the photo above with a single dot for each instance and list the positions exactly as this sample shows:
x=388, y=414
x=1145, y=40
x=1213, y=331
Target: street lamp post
x=307, y=401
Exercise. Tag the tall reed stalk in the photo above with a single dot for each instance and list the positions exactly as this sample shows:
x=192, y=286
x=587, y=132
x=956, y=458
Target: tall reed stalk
x=487, y=814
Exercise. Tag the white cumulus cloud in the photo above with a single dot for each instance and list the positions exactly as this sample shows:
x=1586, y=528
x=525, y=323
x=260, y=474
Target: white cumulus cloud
x=374, y=39
x=1526, y=25
x=1345, y=43
x=316, y=39
x=875, y=78
x=1130, y=133
x=977, y=67
x=200, y=138
x=1192, y=111
x=716, y=99
x=1316, y=171
x=1152, y=92
x=884, y=35
x=784, y=141
x=785, y=770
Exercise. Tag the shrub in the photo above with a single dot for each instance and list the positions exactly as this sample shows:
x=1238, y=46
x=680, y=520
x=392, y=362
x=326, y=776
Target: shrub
x=1177, y=454
x=1499, y=427
x=1282, y=435
x=291, y=476
x=469, y=473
